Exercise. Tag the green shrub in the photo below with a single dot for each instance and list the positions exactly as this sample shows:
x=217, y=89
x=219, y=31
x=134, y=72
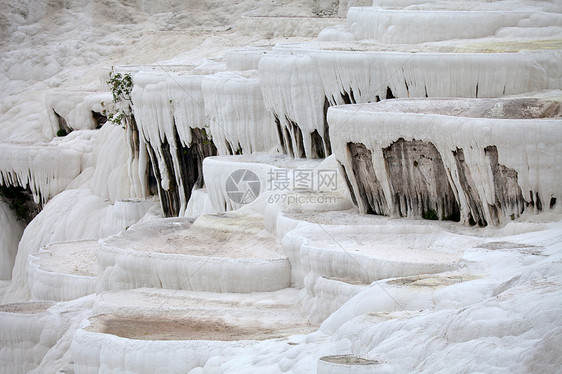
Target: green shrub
x=430, y=214
x=62, y=132
x=121, y=86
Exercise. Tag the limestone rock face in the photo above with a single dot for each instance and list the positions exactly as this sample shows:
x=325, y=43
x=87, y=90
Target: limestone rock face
x=184, y=167
x=370, y=191
x=418, y=179
x=477, y=161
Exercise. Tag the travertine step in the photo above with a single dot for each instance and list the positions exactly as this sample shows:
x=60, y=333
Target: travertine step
x=148, y=330
x=219, y=253
x=63, y=271
x=26, y=334
x=366, y=253
x=483, y=161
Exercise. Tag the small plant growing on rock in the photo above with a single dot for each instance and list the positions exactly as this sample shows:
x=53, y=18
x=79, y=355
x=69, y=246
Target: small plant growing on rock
x=207, y=137
x=121, y=86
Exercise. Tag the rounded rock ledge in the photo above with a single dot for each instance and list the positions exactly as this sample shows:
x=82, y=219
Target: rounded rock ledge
x=268, y=168
x=363, y=254
x=500, y=157
x=216, y=253
x=26, y=334
x=63, y=271
x=156, y=330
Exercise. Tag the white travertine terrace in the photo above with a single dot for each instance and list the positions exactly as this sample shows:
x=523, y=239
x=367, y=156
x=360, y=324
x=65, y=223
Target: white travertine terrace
x=264, y=166
x=75, y=108
x=447, y=110
x=178, y=331
x=76, y=214
x=166, y=102
x=63, y=271
x=247, y=58
x=46, y=169
x=167, y=106
x=335, y=253
x=25, y=335
x=38, y=333
x=299, y=82
x=398, y=26
x=480, y=130
x=238, y=120
x=218, y=253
